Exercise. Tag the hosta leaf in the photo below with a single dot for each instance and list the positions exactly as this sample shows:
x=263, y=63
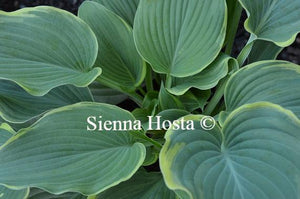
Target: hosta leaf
x=142, y=185
x=17, y=106
x=152, y=154
x=45, y=47
x=194, y=99
x=122, y=66
x=263, y=50
x=5, y=133
x=180, y=37
x=107, y=95
x=40, y=194
x=255, y=155
x=168, y=101
x=277, y=21
x=206, y=79
x=124, y=8
x=274, y=81
x=59, y=154
x=6, y=193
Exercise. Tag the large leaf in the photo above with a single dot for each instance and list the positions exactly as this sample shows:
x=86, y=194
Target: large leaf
x=274, y=81
x=142, y=185
x=17, y=106
x=124, y=8
x=255, y=155
x=206, y=79
x=5, y=133
x=40, y=194
x=180, y=37
x=107, y=95
x=45, y=47
x=122, y=66
x=273, y=20
x=59, y=154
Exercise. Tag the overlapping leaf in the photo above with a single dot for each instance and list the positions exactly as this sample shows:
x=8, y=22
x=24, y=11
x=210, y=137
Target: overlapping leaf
x=40, y=194
x=273, y=81
x=168, y=101
x=124, y=8
x=45, y=47
x=17, y=106
x=180, y=37
x=142, y=185
x=206, y=79
x=263, y=50
x=195, y=99
x=107, y=95
x=273, y=20
x=122, y=66
x=255, y=155
x=5, y=133
x=59, y=154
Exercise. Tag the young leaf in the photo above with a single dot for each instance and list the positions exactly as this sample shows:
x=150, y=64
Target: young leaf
x=17, y=106
x=142, y=185
x=122, y=66
x=263, y=50
x=45, y=47
x=255, y=155
x=277, y=21
x=194, y=99
x=206, y=79
x=5, y=133
x=180, y=37
x=59, y=154
x=273, y=81
x=124, y=8
x=168, y=101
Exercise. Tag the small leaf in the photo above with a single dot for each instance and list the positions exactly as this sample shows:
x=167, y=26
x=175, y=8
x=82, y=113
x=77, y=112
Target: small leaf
x=142, y=185
x=194, y=99
x=255, y=155
x=45, y=47
x=59, y=154
x=17, y=106
x=124, y=8
x=277, y=21
x=107, y=95
x=168, y=101
x=206, y=79
x=151, y=155
x=263, y=50
x=273, y=81
x=180, y=37
x=123, y=68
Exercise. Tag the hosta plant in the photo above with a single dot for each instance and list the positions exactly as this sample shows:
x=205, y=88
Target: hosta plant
x=87, y=102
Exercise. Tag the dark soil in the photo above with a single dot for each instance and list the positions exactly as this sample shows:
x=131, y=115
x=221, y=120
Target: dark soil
x=291, y=53
x=11, y=5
